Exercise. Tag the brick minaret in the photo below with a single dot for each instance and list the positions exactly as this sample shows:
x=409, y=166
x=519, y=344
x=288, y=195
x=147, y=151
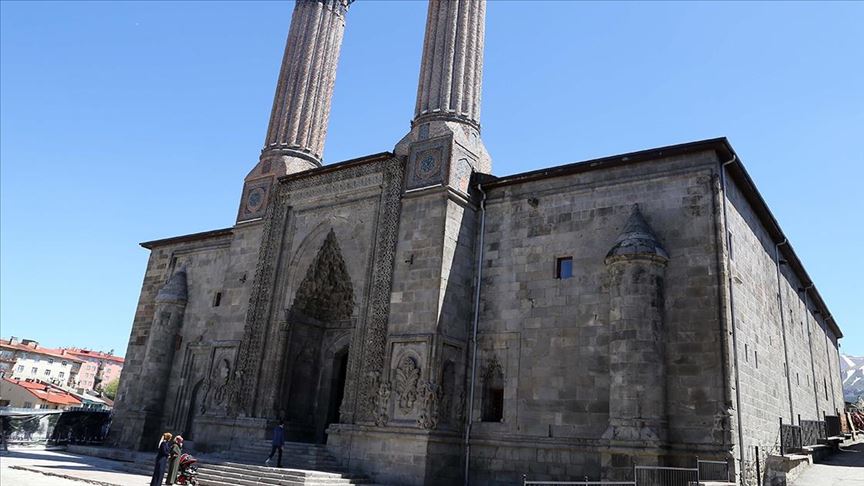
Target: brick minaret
x=451, y=77
x=451, y=74
x=301, y=106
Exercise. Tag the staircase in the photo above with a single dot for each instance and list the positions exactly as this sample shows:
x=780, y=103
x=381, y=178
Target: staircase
x=302, y=465
x=297, y=455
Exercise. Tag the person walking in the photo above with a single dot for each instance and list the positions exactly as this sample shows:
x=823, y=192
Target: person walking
x=162, y=452
x=278, y=442
x=174, y=459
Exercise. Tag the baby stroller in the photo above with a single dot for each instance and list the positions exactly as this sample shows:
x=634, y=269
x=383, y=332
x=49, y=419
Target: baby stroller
x=188, y=471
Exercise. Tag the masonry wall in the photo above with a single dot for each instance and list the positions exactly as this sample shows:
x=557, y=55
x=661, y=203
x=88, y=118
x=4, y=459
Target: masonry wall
x=550, y=335
x=210, y=333
x=786, y=355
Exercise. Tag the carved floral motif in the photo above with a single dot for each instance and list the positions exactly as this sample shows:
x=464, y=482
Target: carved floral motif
x=407, y=374
x=430, y=393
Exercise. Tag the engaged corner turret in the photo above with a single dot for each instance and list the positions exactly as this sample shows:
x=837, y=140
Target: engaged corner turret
x=175, y=289
x=637, y=240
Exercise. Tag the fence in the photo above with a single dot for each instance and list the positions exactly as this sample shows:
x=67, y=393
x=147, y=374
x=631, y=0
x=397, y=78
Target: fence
x=666, y=476
x=790, y=438
x=525, y=482
x=655, y=476
x=53, y=427
x=713, y=470
x=811, y=431
x=832, y=425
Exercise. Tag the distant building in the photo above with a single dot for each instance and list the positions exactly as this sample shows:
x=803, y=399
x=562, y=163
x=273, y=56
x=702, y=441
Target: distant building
x=81, y=369
x=25, y=359
x=98, y=368
x=34, y=394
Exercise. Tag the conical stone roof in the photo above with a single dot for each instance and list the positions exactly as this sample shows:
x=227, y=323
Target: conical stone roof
x=174, y=289
x=637, y=240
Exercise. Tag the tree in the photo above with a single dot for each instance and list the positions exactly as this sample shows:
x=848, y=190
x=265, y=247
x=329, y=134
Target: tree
x=110, y=389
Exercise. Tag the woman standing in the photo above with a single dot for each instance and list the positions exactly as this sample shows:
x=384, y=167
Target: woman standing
x=174, y=459
x=161, y=458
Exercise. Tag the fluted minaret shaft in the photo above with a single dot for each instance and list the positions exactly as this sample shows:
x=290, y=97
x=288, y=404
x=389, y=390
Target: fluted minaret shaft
x=451, y=73
x=301, y=107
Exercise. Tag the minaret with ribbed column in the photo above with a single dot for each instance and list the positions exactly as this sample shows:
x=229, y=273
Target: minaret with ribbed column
x=301, y=106
x=452, y=71
x=448, y=94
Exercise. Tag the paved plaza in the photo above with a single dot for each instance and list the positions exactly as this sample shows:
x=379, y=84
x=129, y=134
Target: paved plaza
x=845, y=468
x=58, y=468
x=24, y=467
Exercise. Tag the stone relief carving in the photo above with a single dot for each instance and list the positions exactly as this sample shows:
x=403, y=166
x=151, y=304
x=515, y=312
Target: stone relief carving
x=241, y=389
x=407, y=376
x=219, y=379
x=430, y=393
x=326, y=292
x=492, y=371
x=383, y=401
x=369, y=365
x=460, y=409
x=244, y=382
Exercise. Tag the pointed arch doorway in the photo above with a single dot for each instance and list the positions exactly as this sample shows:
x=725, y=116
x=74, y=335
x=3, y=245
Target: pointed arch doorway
x=316, y=357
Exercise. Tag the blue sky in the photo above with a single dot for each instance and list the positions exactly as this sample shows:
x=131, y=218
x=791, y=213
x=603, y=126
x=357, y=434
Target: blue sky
x=131, y=121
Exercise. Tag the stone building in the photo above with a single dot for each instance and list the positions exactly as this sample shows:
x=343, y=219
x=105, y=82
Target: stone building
x=424, y=317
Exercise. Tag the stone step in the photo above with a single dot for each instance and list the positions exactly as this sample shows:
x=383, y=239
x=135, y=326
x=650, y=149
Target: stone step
x=264, y=454
x=218, y=474
x=237, y=467
x=287, y=462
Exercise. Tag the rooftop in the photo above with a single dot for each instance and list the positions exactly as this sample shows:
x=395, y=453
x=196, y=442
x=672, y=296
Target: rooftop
x=34, y=348
x=45, y=392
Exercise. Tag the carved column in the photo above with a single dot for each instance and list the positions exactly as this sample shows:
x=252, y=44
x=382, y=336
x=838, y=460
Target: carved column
x=301, y=105
x=637, y=389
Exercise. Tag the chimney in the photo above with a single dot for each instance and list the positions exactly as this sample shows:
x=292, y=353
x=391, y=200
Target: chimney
x=301, y=106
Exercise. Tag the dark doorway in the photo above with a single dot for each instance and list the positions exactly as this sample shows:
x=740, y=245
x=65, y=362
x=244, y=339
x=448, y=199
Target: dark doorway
x=190, y=414
x=337, y=388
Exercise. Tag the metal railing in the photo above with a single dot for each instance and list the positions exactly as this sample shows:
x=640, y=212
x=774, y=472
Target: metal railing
x=811, y=431
x=713, y=470
x=656, y=476
x=525, y=482
x=790, y=438
x=665, y=476
x=832, y=425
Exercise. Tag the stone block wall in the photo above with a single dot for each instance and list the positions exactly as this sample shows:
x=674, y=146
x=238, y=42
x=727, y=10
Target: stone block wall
x=787, y=366
x=550, y=335
x=214, y=264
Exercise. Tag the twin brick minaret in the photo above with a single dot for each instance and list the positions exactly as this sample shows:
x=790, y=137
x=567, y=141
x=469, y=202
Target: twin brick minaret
x=301, y=106
x=448, y=94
